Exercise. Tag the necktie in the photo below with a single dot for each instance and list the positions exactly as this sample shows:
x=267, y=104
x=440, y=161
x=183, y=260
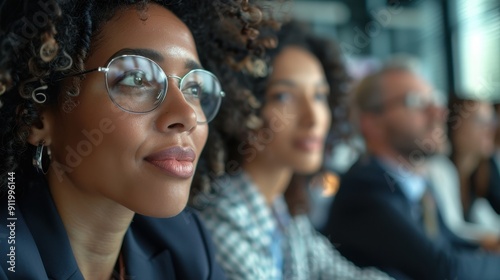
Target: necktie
x=429, y=214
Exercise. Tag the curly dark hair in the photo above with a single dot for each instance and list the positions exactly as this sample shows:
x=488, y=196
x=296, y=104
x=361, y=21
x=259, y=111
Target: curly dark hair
x=240, y=114
x=42, y=41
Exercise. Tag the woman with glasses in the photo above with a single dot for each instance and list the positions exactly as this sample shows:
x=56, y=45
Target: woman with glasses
x=254, y=233
x=104, y=108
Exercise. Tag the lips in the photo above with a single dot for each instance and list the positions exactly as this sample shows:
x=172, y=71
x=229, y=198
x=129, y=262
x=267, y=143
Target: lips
x=309, y=144
x=175, y=161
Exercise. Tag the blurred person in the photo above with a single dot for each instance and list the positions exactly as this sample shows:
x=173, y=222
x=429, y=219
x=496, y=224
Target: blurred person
x=384, y=214
x=104, y=108
x=469, y=126
x=255, y=232
x=485, y=186
x=472, y=128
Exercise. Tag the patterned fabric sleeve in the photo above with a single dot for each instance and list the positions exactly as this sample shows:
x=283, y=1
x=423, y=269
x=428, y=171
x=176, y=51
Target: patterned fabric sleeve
x=237, y=258
x=325, y=262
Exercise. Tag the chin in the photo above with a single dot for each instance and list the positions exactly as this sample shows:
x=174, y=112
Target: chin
x=162, y=205
x=306, y=167
x=164, y=211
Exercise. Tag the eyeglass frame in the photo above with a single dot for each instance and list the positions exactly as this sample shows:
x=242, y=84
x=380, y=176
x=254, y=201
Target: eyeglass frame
x=404, y=101
x=105, y=69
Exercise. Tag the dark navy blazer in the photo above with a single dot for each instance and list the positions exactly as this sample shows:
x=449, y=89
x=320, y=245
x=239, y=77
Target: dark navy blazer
x=372, y=223
x=153, y=248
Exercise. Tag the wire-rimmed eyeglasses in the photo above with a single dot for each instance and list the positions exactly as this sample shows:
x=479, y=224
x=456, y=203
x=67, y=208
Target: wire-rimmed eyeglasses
x=137, y=84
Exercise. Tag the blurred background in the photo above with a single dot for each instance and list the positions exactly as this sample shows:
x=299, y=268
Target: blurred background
x=455, y=42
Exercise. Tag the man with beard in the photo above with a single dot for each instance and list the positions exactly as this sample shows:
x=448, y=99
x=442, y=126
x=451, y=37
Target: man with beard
x=384, y=214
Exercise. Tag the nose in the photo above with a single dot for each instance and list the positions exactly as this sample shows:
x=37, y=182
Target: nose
x=308, y=112
x=175, y=113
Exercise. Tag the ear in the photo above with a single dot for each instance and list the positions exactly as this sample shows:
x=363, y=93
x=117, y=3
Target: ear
x=42, y=131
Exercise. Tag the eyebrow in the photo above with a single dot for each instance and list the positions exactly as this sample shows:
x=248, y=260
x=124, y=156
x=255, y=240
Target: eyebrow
x=155, y=56
x=191, y=64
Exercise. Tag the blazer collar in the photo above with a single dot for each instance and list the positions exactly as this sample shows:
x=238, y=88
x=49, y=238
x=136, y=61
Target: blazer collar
x=145, y=246
x=141, y=264
x=142, y=261
x=49, y=233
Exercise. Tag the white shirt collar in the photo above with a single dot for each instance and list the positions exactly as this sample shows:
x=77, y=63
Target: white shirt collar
x=411, y=184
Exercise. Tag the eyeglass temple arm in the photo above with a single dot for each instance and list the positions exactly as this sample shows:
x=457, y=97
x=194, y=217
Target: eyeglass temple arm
x=100, y=69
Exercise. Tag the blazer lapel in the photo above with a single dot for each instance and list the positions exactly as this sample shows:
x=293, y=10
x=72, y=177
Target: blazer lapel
x=140, y=264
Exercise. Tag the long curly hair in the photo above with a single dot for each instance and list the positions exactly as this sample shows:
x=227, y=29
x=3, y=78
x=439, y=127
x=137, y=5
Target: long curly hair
x=240, y=114
x=41, y=41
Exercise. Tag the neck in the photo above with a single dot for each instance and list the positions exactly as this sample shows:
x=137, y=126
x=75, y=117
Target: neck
x=271, y=179
x=466, y=164
x=95, y=227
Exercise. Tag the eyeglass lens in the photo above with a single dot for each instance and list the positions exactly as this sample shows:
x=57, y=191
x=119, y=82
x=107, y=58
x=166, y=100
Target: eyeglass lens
x=138, y=84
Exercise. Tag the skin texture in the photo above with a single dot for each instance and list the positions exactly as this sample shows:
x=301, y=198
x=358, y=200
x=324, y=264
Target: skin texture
x=114, y=179
x=297, y=118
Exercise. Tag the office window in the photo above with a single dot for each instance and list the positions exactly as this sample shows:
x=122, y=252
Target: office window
x=477, y=49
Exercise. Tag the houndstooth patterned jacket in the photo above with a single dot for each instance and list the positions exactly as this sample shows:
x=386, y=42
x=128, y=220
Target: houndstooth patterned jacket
x=242, y=226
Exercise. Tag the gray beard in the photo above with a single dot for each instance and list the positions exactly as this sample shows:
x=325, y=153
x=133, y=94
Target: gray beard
x=412, y=152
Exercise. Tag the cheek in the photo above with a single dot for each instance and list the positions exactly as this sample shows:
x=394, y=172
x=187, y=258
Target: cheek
x=200, y=136
x=486, y=136
x=124, y=134
x=94, y=132
x=417, y=122
x=109, y=125
x=326, y=118
x=279, y=123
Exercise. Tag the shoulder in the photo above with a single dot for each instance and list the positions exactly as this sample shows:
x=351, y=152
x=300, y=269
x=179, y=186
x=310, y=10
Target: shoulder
x=367, y=190
x=301, y=231
x=238, y=217
x=366, y=177
x=35, y=240
x=239, y=220
x=439, y=164
x=235, y=203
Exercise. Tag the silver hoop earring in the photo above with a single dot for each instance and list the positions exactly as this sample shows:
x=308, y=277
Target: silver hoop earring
x=37, y=158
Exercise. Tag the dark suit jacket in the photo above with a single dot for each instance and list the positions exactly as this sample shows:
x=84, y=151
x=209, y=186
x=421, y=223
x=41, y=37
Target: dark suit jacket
x=153, y=248
x=493, y=195
x=372, y=223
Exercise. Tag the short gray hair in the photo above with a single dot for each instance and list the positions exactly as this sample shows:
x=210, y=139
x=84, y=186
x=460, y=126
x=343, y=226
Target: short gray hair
x=367, y=94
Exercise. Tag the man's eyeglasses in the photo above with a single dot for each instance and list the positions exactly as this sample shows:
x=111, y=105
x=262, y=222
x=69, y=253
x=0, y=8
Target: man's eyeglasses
x=413, y=100
x=137, y=84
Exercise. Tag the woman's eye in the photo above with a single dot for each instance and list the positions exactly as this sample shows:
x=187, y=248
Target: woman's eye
x=281, y=97
x=135, y=83
x=321, y=96
x=193, y=89
x=134, y=78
